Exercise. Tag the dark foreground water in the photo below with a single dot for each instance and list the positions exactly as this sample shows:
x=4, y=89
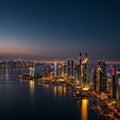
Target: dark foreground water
x=29, y=100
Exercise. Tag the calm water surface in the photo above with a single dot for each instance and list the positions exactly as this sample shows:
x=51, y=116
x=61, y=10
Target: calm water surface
x=29, y=100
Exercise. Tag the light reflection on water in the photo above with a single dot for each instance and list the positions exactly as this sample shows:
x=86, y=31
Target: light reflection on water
x=82, y=105
x=32, y=87
x=6, y=74
x=46, y=99
x=60, y=90
x=55, y=90
x=84, y=109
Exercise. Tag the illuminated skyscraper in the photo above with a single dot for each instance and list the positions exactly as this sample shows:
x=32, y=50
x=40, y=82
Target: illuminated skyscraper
x=104, y=78
x=70, y=67
x=84, y=70
x=77, y=72
x=63, y=70
x=59, y=70
x=55, y=69
x=94, y=77
x=47, y=71
x=32, y=71
x=114, y=87
x=101, y=77
x=80, y=67
x=118, y=90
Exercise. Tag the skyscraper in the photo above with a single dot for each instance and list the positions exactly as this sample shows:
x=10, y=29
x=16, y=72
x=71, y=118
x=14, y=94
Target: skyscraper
x=70, y=67
x=80, y=67
x=118, y=90
x=94, y=77
x=101, y=77
x=84, y=70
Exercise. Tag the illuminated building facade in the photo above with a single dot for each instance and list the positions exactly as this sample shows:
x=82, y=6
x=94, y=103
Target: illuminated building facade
x=70, y=68
x=109, y=86
x=32, y=71
x=111, y=82
x=55, y=69
x=101, y=77
x=84, y=71
x=46, y=71
x=118, y=90
x=94, y=79
x=64, y=73
x=80, y=67
x=77, y=72
x=59, y=70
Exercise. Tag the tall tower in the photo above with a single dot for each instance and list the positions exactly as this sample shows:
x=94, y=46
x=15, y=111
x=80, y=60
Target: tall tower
x=72, y=68
x=101, y=77
x=63, y=70
x=32, y=71
x=68, y=68
x=55, y=69
x=94, y=72
x=84, y=70
x=80, y=67
x=118, y=89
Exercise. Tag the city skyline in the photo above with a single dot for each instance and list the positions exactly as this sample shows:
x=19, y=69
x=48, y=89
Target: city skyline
x=59, y=29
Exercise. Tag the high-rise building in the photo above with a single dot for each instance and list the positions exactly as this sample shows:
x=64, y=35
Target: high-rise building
x=94, y=77
x=118, y=90
x=80, y=67
x=32, y=71
x=114, y=87
x=63, y=69
x=109, y=86
x=70, y=67
x=104, y=78
x=55, y=69
x=111, y=82
x=59, y=70
x=101, y=77
x=77, y=73
x=84, y=70
x=103, y=66
x=46, y=71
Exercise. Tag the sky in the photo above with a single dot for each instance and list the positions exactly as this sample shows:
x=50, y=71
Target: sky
x=60, y=29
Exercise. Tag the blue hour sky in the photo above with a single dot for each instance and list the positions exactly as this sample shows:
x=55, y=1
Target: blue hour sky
x=58, y=29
